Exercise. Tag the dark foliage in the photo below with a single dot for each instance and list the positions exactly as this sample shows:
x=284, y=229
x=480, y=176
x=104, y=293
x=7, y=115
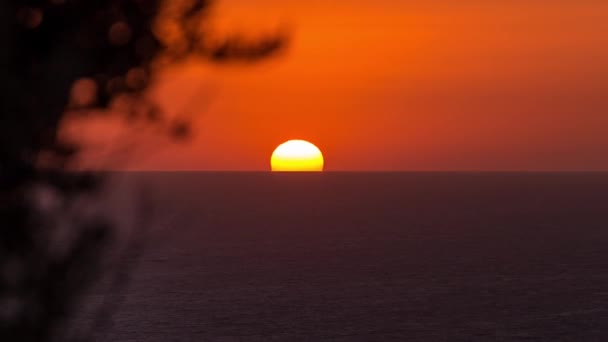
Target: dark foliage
x=78, y=55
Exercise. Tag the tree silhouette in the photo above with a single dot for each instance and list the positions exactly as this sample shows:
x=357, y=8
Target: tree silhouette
x=67, y=57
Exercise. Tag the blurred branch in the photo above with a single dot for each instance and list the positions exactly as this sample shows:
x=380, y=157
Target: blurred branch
x=79, y=56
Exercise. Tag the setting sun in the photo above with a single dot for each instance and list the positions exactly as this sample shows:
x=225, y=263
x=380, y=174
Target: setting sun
x=297, y=155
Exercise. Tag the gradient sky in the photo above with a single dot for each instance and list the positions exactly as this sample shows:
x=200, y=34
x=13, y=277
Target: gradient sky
x=401, y=85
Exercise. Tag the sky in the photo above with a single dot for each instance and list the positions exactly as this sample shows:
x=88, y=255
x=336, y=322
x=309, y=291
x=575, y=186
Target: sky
x=399, y=85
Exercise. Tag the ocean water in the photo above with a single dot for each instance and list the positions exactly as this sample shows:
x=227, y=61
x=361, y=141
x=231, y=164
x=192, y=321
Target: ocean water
x=368, y=257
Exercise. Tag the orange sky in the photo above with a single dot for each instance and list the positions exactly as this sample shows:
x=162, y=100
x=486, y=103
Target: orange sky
x=395, y=85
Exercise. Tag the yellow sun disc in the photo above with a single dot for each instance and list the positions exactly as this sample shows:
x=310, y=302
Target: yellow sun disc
x=296, y=155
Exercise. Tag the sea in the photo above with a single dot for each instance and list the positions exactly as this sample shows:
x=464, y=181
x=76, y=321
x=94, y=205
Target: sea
x=355, y=256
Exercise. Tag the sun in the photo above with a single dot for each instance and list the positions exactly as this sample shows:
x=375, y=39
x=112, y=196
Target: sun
x=297, y=155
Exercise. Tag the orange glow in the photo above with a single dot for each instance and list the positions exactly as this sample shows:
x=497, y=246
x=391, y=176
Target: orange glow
x=297, y=155
x=400, y=85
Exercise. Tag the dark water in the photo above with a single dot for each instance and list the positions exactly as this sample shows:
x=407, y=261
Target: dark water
x=371, y=257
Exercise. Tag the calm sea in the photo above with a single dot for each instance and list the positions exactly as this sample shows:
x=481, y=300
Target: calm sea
x=366, y=257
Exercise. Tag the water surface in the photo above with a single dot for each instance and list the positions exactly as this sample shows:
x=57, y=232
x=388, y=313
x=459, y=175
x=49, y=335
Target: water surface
x=371, y=257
